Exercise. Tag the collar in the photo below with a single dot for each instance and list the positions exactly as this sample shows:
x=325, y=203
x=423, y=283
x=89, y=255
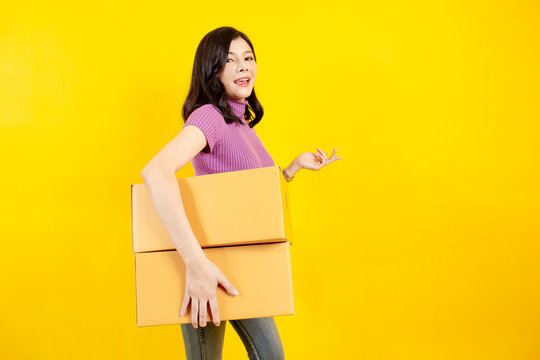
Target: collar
x=238, y=107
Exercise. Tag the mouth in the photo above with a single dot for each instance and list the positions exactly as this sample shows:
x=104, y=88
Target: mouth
x=244, y=81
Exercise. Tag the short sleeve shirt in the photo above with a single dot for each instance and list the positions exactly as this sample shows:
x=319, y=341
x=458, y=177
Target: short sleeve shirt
x=230, y=147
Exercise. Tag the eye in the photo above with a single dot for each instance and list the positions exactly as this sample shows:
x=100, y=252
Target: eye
x=229, y=59
x=249, y=57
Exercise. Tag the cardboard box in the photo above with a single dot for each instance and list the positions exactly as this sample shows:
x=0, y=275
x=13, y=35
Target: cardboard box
x=261, y=273
x=238, y=207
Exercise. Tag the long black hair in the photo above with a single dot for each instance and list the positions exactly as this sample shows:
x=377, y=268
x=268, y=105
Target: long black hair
x=206, y=86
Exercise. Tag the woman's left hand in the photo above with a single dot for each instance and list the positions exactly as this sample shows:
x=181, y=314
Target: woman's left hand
x=316, y=161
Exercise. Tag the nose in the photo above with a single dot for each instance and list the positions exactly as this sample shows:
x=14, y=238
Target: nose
x=243, y=66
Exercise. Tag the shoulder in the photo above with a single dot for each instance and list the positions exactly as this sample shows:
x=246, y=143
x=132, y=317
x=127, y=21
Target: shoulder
x=207, y=115
x=209, y=120
x=206, y=110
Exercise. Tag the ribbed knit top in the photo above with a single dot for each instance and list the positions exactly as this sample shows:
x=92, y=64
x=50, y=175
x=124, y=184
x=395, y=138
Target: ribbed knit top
x=229, y=147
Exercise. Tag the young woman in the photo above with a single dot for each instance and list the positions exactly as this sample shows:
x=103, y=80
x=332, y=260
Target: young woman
x=217, y=136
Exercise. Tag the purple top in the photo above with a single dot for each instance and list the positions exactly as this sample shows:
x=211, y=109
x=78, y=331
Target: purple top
x=229, y=147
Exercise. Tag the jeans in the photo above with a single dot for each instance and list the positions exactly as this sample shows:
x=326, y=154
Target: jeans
x=259, y=335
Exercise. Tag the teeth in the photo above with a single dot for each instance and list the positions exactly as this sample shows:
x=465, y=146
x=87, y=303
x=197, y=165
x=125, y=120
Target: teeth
x=243, y=80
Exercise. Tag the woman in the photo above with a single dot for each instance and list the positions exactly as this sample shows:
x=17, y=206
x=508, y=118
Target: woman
x=217, y=136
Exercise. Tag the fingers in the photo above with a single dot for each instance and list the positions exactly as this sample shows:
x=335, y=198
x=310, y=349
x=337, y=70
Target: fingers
x=325, y=160
x=202, y=313
x=333, y=157
x=185, y=303
x=199, y=311
x=317, y=159
x=323, y=156
x=323, y=153
x=227, y=285
x=194, y=312
x=214, y=310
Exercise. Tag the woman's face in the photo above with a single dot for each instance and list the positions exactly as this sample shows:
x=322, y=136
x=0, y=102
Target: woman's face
x=240, y=65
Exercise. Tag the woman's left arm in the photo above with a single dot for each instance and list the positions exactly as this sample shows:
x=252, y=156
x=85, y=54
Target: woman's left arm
x=311, y=161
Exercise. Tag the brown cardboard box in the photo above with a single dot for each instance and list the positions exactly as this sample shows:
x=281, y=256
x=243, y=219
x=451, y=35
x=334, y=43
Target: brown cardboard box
x=238, y=207
x=261, y=273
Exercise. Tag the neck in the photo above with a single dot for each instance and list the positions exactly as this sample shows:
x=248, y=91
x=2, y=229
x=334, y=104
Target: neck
x=238, y=107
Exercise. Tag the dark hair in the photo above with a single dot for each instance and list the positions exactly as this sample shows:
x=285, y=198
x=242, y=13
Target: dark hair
x=206, y=87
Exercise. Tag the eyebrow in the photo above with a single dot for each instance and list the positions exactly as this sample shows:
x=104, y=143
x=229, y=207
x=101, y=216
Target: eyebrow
x=245, y=52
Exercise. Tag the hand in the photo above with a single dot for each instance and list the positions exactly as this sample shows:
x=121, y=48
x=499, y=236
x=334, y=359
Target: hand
x=201, y=282
x=315, y=161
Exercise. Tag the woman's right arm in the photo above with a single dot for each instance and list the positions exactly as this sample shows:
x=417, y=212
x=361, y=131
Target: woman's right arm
x=159, y=175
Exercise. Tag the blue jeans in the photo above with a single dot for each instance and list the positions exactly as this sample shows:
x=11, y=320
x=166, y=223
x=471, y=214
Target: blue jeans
x=259, y=335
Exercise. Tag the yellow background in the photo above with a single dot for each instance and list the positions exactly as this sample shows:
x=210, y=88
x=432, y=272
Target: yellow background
x=421, y=243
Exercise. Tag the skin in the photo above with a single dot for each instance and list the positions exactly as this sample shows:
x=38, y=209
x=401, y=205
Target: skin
x=202, y=276
x=240, y=63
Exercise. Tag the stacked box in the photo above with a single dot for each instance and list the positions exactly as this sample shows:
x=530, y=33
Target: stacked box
x=242, y=222
x=238, y=207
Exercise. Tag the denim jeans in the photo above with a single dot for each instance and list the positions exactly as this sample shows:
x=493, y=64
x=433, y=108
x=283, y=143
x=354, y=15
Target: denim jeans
x=259, y=335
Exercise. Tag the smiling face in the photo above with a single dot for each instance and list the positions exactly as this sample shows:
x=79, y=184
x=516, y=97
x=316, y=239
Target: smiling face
x=240, y=64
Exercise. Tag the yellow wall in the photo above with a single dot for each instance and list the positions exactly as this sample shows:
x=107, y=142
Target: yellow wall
x=421, y=243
